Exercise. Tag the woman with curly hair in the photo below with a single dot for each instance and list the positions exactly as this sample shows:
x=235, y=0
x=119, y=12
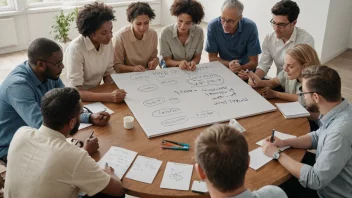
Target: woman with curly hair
x=89, y=58
x=136, y=44
x=181, y=44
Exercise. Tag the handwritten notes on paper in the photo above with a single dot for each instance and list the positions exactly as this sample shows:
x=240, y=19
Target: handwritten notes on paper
x=119, y=159
x=144, y=169
x=282, y=136
x=258, y=158
x=177, y=176
x=171, y=100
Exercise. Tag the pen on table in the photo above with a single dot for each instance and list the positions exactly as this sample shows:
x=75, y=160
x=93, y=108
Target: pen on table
x=272, y=136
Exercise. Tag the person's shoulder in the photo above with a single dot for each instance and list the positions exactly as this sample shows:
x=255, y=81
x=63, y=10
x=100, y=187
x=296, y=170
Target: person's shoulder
x=214, y=23
x=18, y=75
x=152, y=33
x=123, y=31
x=269, y=191
x=77, y=42
x=24, y=132
x=248, y=23
x=167, y=29
x=197, y=29
x=303, y=34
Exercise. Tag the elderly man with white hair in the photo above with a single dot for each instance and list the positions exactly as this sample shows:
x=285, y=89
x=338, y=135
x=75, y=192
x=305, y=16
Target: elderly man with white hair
x=233, y=39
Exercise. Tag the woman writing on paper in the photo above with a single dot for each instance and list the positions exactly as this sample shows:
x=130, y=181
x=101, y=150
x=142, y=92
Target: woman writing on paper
x=136, y=44
x=181, y=44
x=90, y=57
x=290, y=79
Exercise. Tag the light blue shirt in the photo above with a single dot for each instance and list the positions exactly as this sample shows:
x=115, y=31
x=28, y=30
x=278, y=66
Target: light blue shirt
x=20, y=100
x=331, y=175
x=265, y=192
x=241, y=45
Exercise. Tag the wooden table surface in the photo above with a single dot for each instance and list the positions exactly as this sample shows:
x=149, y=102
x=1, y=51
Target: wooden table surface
x=258, y=127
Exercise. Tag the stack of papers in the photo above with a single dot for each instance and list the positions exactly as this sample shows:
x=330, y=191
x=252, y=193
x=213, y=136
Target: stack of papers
x=292, y=110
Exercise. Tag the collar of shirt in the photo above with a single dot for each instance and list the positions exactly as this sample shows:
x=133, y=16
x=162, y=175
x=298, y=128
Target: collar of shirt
x=292, y=38
x=32, y=75
x=326, y=119
x=239, y=28
x=133, y=38
x=247, y=193
x=191, y=31
x=89, y=44
x=51, y=133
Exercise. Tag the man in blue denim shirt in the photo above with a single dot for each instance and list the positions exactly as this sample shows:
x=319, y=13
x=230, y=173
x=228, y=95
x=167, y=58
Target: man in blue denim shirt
x=232, y=39
x=331, y=174
x=22, y=91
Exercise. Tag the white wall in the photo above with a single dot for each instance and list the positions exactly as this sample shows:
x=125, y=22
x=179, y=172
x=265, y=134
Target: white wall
x=338, y=29
x=33, y=24
x=166, y=17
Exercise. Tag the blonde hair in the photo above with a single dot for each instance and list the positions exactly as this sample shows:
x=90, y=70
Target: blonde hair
x=304, y=54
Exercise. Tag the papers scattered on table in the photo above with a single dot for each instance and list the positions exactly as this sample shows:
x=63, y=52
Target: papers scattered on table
x=144, y=169
x=96, y=107
x=258, y=158
x=280, y=135
x=84, y=125
x=236, y=125
x=177, y=176
x=119, y=159
x=199, y=187
x=292, y=110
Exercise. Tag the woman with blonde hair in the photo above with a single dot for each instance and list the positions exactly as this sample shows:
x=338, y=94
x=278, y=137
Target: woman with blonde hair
x=290, y=79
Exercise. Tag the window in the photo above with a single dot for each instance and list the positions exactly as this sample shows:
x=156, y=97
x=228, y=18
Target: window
x=6, y=5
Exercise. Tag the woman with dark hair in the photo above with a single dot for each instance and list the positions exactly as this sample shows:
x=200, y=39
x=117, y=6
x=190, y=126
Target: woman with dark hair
x=89, y=58
x=181, y=44
x=136, y=44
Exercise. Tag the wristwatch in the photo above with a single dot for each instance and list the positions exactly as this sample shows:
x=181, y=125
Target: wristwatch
x=276, y=155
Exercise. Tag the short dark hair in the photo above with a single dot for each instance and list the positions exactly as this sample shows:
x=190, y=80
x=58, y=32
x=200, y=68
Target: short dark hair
x=222, y=152
x=59, y=106
x=324, y=81
x=92, y=16
x=42, y=49
x=286, y=8
x=190, y=7
x=139, y=8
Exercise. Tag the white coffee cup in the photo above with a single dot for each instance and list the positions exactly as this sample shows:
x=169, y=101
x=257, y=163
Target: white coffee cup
x=128, y=122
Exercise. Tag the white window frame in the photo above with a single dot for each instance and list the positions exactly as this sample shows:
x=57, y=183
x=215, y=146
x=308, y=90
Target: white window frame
x=11, y=6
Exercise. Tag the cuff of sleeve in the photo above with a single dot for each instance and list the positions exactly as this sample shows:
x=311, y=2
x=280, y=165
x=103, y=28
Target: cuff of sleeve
x=100, y=185
x=303, y=179
x=85, y=117
x=265, y=69
x=314, y=142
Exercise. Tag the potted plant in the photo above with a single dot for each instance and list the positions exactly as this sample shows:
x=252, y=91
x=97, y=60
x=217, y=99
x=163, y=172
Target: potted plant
x=61, y=27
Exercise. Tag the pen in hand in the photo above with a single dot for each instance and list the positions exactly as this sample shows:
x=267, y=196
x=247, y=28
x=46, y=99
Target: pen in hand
x=106, y=165
x=272, y=139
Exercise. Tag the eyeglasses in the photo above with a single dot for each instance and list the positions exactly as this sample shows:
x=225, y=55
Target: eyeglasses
x=230, y=21
x=279, y=25
x=302, y=93
x=58, y=65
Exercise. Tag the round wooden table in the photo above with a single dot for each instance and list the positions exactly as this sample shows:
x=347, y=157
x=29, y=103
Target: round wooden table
x=258, y=127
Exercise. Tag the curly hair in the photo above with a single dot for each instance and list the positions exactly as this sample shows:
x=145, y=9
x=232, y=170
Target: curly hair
x=92, y=17
x=190, y=7
x=139, y=8
x=286, y=8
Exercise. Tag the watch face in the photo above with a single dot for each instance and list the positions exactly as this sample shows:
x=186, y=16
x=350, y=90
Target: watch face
x=276, y=155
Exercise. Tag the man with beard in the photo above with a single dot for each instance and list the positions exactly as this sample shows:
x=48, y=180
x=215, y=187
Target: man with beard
x=22, y=91
x=330, y=173
x=42, y=163
x=284, y=37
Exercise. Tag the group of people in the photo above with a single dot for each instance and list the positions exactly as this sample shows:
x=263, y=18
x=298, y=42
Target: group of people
x=37, y=112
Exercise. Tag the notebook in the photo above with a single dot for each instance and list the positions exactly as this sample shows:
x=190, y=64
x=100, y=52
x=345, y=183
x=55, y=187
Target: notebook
x=292, y=110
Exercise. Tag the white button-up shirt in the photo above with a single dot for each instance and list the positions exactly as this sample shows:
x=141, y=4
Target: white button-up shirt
x=274, y=49
x=41, y=163
x=85, y=65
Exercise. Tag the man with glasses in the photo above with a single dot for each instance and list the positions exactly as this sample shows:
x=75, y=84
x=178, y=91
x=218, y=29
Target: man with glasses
x=329, y=174
x=232, y=39
x=22, y=91
x=285, y=36
x=43, y=164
